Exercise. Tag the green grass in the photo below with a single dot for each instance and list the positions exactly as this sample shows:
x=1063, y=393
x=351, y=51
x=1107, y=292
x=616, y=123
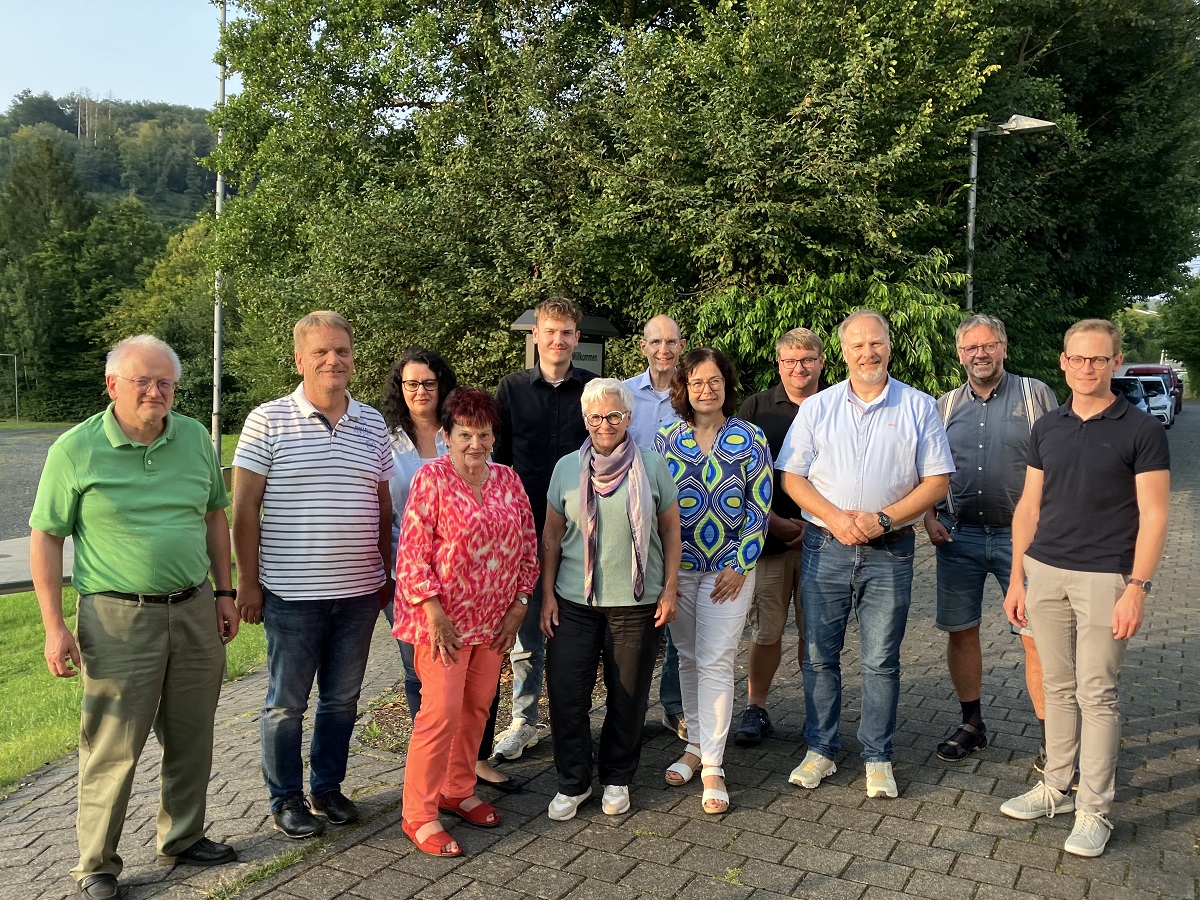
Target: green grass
x=39, y=718
x=11, y=425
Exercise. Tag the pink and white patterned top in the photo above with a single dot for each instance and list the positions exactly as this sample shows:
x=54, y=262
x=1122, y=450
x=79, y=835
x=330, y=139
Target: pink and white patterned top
x=472, y=557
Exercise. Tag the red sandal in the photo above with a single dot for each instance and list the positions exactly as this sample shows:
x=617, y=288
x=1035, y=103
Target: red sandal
x=437, y=844
x=482, y=816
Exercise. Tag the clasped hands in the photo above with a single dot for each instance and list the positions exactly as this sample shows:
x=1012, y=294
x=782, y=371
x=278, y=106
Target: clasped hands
x=853, y=526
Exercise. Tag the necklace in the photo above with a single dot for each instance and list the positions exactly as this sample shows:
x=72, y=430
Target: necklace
x=463, y=476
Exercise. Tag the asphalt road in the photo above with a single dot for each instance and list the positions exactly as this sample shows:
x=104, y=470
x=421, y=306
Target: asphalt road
x=22, y=455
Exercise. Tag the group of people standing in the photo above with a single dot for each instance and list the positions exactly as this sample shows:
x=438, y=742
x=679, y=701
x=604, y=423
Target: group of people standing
x=566, y=522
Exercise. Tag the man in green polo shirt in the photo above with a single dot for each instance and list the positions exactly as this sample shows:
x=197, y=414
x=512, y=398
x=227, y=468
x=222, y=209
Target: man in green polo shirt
x=139, y=490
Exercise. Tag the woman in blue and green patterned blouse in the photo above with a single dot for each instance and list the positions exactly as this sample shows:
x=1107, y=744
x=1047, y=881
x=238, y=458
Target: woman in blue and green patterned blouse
x=723, y=468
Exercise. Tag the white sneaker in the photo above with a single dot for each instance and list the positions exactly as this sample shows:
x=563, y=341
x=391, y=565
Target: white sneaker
x=811, y=772
x=1090, y=834
x=564, y=807
x=880, y=781
x=615, y=800
x=1043, y=800
x=515, y=740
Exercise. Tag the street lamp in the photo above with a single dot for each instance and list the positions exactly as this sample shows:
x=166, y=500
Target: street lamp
x=16, y=385
x=1015, y=125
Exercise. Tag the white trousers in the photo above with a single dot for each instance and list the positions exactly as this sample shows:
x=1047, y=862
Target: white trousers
x=706, y=635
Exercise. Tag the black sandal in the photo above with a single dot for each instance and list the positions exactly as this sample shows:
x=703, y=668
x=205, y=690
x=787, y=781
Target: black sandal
x=965, y=741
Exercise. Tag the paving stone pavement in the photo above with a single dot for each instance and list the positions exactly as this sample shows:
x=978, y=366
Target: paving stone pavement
x=943, y=838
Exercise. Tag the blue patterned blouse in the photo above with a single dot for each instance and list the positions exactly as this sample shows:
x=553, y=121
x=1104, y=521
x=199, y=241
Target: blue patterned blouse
x=724, y=497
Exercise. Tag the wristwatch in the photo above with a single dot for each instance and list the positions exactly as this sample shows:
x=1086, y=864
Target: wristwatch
x=1144, y=585
x=231, y=594
x=524, y=599
x=885, y=522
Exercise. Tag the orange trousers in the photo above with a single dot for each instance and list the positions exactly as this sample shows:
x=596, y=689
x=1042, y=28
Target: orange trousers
x=455, y=702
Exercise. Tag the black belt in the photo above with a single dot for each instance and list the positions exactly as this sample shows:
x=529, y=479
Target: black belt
x=889, y=537
x=173, y=597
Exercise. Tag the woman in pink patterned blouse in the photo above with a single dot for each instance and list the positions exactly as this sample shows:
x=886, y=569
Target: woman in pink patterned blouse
x=467, y=564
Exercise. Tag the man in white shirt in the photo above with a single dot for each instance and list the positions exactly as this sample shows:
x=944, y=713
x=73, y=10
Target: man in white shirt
x=863, y=460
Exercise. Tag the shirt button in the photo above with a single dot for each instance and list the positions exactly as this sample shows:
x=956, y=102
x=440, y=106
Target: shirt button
x=981, y=446
x=149, y=462
x=981, y=468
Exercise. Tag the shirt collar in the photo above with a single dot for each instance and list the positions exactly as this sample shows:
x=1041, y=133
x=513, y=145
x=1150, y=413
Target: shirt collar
x=535, y=375
x=881, y=400
x=1000, y=388
x=353, y=407
x=1115, y=410
x=779, y=395
x=118, y=438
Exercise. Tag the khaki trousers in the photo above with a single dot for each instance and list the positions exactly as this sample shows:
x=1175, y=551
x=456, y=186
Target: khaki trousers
x=145, y=666
x=1071, y=616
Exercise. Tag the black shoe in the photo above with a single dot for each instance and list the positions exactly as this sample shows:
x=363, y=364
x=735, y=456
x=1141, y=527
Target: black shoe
x=965, y=741
x=202, y=853
x=101, y=887
x=756, y=725
x=507, y=786
x=677, y=723
x=335, y=806
x=295, y=820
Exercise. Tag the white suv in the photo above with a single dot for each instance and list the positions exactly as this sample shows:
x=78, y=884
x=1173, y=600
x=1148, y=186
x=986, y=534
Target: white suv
x=1162, y=405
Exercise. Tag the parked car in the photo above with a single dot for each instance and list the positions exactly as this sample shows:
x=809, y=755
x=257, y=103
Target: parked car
x=1168, y=375
x=1162, y=406
x=1133, y=390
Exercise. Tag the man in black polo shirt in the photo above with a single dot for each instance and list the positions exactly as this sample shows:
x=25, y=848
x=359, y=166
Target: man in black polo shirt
x=541, y=421
x=800, y=357
x=1088, y=534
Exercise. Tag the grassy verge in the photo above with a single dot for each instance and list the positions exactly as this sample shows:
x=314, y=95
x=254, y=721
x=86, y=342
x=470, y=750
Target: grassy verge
x=39, y=718
x=24, y=424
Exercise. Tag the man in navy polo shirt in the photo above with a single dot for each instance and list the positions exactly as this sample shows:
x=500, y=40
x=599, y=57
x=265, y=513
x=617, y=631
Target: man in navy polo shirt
x=1088, y=534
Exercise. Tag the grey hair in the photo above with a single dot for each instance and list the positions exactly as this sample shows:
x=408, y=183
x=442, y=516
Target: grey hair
x=801, y=337
x=114, y=364
x=321, y=318
x=981, y=320
x=599, y=388
x=868, y=314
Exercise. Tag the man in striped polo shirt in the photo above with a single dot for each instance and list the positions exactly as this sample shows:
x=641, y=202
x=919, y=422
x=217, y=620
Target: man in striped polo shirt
x=317, y=464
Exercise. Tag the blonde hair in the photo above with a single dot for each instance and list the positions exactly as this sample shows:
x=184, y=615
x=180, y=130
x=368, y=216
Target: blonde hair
x=1099, y=325
x=557, y=308
x=865, y=314
x=321, y=318
x=801, y=337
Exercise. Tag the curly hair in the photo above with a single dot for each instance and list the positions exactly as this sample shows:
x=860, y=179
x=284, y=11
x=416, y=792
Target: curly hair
x=558, y=308
x=687, y=363
x=395, y=411
x=472, y=408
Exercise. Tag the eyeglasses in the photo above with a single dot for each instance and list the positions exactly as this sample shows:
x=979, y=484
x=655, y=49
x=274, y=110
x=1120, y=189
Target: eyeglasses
x=430, y=385
x=713, y=384
x=143, y=384
x=659, y=343
x=806, y=362
x=614, y=418
x=1099, y=363
x=989, y=348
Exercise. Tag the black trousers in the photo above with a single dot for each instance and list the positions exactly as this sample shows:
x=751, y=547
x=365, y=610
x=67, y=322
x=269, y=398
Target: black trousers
x=625, y=638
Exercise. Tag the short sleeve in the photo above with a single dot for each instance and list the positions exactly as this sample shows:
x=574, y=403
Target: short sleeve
x=57, y=501
x=255, y=447
x=933, y=447
x=218, y=497
x=1033, y=458
x=798, y=450
x=1151, y=449
x=554, y=495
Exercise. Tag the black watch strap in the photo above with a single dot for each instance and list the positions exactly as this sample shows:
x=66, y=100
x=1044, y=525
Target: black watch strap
x=231, y=593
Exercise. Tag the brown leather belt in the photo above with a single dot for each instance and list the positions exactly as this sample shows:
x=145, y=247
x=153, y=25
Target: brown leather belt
x=889, y=538
x=173, y=597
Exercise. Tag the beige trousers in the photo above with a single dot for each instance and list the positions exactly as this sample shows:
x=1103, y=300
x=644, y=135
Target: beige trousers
x=145, y=666
x=1071, y=616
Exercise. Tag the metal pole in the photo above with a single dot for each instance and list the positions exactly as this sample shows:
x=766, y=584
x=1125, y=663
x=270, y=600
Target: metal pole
x=218, y=279
x=971, y=196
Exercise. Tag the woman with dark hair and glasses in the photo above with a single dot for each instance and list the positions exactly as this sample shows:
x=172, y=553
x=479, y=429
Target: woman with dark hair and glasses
x=610, y=564
x=466, y=567
x=722, y=466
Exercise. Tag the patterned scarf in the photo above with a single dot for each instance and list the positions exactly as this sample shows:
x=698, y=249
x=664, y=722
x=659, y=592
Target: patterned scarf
x=600, y=476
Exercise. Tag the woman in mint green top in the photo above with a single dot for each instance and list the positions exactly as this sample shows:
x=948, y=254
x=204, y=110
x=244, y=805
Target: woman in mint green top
x=723, y=468
x=610, y=562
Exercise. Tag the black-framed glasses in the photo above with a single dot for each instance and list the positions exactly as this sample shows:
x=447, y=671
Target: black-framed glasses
x=805, y=362
x=713, y=384
x=1099, y=363
x=614, y=418
x=430, y=384
x=989, y=348
x=143, y=384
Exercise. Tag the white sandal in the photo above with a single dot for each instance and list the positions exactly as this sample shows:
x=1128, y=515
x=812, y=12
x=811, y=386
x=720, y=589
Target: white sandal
x=682, y=769
x=714, y=794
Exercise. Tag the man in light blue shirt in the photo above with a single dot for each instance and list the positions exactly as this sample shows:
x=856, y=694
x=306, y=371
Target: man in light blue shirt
x=662, y=346
x=863, y=461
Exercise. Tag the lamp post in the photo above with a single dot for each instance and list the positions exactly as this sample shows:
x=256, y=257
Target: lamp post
x=219, y=277
x=1015, y=125
x=16, y=386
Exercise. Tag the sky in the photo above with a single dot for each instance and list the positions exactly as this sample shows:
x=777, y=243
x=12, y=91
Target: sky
x=157, y=50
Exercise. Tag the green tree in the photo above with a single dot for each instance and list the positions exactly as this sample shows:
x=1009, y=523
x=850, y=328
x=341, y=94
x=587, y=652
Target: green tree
x=1178, y=327
x=1140, y=339
x=42, y=196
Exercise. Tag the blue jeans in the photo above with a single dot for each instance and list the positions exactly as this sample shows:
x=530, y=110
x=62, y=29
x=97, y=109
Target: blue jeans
x=875, y=580
x=669, y=693
x=325, y=640
x=528, y=658
x=963, y=566
x=412, y=681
